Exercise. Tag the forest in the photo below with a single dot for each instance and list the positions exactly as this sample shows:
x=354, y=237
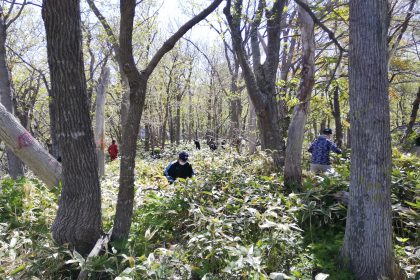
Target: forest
x=210, y=139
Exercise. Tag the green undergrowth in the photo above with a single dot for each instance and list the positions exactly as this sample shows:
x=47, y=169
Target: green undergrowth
x=234, y=220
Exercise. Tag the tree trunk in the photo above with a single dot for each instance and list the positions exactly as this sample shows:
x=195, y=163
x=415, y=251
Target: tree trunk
x=190, y=122
x=260, y=80
x=171, y=126
x=413, y=115
x=28, y=149
x=78, y=221
x=14, y=163
x=178, y=119
x=165, y=121
x=368, y=249
x=293, y=163
x=337, y=118
x=252, y=131
x=100, y=120
x=147, y=136
x=138, y=88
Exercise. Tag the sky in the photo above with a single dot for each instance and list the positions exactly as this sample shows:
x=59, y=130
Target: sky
x=172, y=16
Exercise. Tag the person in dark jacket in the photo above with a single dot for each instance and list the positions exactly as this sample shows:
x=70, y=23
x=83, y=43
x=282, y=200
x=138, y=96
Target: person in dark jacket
x=212, y=145
x=320, y=150
x=197, y=144
x=179, y=168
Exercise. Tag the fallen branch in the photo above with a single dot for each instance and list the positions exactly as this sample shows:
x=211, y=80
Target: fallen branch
x=102, y=242
x=28, y=149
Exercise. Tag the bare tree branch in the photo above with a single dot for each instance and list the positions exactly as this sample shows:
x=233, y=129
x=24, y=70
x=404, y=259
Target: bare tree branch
x=320, y=24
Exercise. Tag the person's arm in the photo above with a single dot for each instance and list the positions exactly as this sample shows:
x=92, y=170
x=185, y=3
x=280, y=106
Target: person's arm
x=166, y=172
x=311, y=148
x=116, y=148
x=334, y=148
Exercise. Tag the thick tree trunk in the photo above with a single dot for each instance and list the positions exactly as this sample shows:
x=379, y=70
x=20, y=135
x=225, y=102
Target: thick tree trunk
x=27, y=148
x=78, y=221
x=368, y=249
x=100, y=120
x=293, y=163
x=260, y=80
x=15, y=166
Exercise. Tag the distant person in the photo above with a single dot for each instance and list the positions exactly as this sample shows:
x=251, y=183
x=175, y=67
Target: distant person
x=197, y=144
x=223, y=144
x=212, y=145
x=320, y=150
x=179, y=168
x=113, y=150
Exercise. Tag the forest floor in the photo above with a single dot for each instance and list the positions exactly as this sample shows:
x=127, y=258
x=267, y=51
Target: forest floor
x=234, y=220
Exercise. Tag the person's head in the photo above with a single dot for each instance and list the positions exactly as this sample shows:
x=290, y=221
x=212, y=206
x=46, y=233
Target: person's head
x=183, y=158
x=327, y=132
x=113, y=141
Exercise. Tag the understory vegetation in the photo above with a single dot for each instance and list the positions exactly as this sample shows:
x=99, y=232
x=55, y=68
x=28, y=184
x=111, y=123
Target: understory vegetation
x=234, y=220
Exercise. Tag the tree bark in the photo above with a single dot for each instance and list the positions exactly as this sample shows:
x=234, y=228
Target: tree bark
x=78, y=221
x=14, y=164
x=368, y=249
x=27, y=148
x=100, y=120
x=293, y=163
x=138, y=86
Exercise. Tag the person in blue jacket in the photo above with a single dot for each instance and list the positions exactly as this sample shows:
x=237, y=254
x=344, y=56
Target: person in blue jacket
x=320, y=150
x=179, y=168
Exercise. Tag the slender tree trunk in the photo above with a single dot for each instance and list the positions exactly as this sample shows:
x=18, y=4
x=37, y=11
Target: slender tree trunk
x=100, y=120
x=293, y=163
x=147, y=137
x=337, y=118
x=413, y=115
x=190, y=122
x=252, y=130
x=165, y=121
x=78, y=221
x=171, y=126
x=368, y=249
x=138, y=89
x=15, y=166
x=178, y=120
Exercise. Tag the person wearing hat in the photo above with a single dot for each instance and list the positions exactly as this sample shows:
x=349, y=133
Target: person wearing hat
x=320, y=150
x=179, y=168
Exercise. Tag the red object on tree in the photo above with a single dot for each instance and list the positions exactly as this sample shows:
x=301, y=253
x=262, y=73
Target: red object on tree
x=113, y=151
